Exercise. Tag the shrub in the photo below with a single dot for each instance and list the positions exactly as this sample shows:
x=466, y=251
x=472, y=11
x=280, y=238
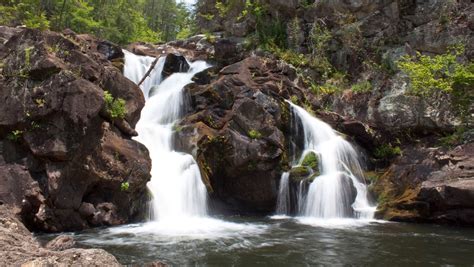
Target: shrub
x=15, y=135
x=387, y=151
x=115, y=106
x=362, y=87
x=440, y=72
x=124, y=186
x=254, y=134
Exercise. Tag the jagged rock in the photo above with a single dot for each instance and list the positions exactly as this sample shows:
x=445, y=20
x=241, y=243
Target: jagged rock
x=174, y=63
x=19, y=247
x=62, y=156
x=236, y=130
x=429, y=185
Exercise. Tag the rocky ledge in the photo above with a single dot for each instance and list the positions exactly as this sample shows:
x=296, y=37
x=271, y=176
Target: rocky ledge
x=19, y=247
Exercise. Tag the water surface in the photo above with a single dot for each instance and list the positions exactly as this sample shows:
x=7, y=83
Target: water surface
x=284, y=242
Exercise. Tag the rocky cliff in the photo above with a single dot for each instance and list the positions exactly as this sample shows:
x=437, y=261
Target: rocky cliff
x=418, y=146
x=67, y=161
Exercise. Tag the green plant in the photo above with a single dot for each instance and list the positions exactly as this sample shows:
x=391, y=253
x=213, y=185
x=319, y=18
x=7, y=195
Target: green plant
x=362, y=87
x=441, y=72
x=254, y=134
x=115, y=106
x=15, y=135
x=294, y=99
x=124, y=186
x=387, y=151
x=40, y=102
x=453, y=139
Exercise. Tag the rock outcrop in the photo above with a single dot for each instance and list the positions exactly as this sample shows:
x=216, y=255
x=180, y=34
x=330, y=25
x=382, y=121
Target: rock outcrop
x=19, y=247
x=65, y=162
x=429, y=185
x=236, y=128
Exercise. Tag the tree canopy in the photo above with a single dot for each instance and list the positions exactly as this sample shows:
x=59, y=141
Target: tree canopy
x=121, y=21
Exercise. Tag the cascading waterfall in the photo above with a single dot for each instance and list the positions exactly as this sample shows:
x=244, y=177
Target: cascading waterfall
x=176, y=184
x=331, y=194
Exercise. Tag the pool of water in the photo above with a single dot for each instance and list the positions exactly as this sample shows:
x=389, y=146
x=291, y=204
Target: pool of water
x=282, y=241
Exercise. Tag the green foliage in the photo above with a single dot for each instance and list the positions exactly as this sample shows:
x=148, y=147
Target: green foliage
x=254, y=134
x=453, y=139
x=294, y=99
x=337, y=83
x=387, y=151
x=15, y=135
x=362, y=87
x=441, y=72
x=115, y=106
x=121, y=21
x=124, y=186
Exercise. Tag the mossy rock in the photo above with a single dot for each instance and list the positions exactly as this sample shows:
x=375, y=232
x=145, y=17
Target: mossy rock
x=299, y=173
x=311, y=160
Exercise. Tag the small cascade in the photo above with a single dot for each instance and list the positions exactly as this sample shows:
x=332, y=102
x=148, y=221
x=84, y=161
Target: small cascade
x=176, y=186
x=135, y=68
x=283, y=201
x=339, y=191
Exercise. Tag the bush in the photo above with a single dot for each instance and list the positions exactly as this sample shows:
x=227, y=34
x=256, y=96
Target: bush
x=124, y=186
x=115, y=106
x=254, y=134
x=362, y=87
x=441, y=72
x=387, y=151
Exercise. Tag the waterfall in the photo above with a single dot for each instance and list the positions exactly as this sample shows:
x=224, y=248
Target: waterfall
x=176, y=186
x=339, y=191
x=283, y=201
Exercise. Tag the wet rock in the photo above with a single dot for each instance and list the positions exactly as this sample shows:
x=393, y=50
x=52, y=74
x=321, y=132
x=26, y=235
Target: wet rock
x=61, y=242
x=174, y=63
x=236, y=130
x=19, y=247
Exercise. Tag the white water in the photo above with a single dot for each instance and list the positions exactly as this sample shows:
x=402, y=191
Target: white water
x=179, y=197
x=328, y=197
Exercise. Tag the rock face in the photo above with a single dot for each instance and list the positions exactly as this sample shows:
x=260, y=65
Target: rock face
x=429, y=185
x=236, y=129
x=63, y=158
x=20, y=248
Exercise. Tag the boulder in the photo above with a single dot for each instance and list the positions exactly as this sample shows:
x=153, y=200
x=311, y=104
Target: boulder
x=174, y=63
x=236, y=129
x=429, y=185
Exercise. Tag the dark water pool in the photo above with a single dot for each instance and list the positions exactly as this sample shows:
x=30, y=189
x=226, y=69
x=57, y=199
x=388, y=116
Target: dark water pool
x=283, y=242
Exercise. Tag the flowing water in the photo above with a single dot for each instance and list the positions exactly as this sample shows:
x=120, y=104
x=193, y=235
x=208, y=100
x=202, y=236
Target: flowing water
x=329, y=195
x=288, y=242
x=181, y=233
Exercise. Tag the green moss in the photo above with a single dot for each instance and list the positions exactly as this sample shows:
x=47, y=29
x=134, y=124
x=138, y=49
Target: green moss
x=254, y=134
x=299, y=173
x=115, y=106
x=311, y=160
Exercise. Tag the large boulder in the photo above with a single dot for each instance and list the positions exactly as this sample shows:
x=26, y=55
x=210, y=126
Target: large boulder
x=429, y=185
x=64, y=158
x=236, y=128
